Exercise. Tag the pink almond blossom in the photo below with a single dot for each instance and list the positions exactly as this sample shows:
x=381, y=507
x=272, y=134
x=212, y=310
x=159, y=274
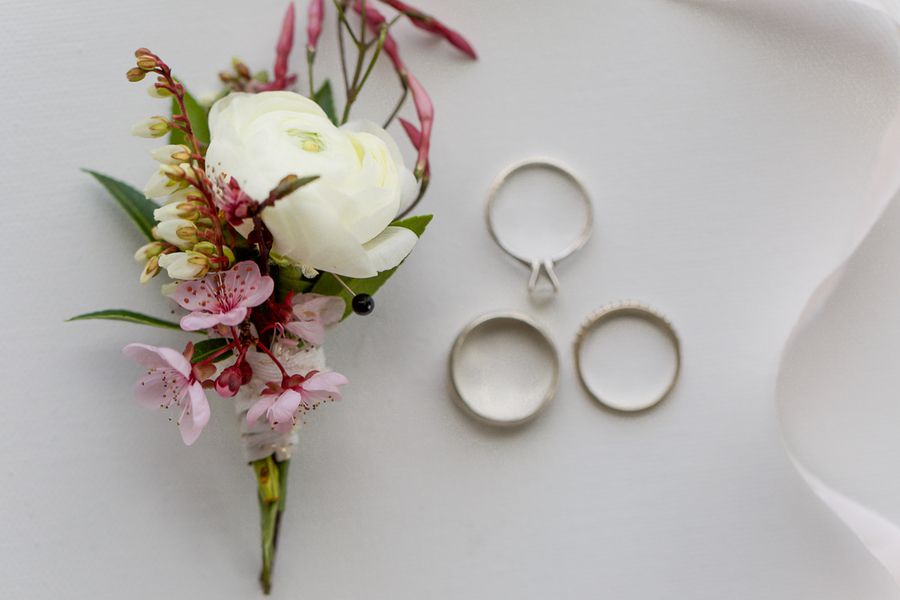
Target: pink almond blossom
x=299, y=394
x=314, y=312
x=169, y=380
x=222, y=298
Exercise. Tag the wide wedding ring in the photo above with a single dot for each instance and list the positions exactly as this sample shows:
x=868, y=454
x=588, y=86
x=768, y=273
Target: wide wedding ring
x=504, y=368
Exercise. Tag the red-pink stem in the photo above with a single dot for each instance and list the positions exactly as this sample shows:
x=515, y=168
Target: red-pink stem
x=275, y=360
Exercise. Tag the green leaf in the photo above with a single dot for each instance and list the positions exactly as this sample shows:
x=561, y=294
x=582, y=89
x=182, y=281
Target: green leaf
x=205, y=348
x=129, y=316
x=289, y=279
x=139, y=208
x=325, y=98
x=198, y=116
x=328, y=285
x=415, y=224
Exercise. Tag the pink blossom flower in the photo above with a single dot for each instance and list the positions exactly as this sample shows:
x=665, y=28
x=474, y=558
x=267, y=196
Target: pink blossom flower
x=169, y=380
x=314, y=24
x=432, y=25
x=222, y=298
x=282, y=404
x=314, y=312
x=236, y=205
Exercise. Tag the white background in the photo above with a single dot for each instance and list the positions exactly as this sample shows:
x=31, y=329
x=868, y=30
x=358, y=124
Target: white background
x=727, y=146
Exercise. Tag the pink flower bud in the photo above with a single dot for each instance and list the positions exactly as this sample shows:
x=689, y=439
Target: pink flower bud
x=375, y=20
x=229, y=381
x=283, y=49
x=430, y=24
x=460, y=43
x=314, y=24
x=425, y=112
x=280, y=78
x=412, y=132
x=415, y=138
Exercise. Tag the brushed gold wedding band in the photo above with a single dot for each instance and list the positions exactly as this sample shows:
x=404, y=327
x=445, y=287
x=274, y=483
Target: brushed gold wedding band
x=628, y=308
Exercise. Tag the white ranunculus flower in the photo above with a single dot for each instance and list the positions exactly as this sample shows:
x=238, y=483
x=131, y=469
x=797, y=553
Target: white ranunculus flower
x=340, y=222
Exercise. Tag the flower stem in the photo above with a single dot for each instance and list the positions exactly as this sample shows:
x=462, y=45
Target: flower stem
x=310, y=58
x=400, y=102
x=271, y=480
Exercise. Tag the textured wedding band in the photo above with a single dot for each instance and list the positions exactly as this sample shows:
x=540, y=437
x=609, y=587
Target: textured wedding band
x=628, y=308
x=481, y=410
x=545, y=264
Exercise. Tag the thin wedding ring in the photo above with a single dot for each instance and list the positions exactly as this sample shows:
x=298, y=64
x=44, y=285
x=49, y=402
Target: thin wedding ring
x=627, y=309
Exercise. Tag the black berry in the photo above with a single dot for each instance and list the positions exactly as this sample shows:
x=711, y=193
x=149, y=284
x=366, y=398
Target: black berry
x=363, y=304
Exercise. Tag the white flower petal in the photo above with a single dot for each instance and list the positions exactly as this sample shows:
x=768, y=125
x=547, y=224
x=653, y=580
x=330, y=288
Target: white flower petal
x=311, y=235
x=390, y=247
x=409, y=190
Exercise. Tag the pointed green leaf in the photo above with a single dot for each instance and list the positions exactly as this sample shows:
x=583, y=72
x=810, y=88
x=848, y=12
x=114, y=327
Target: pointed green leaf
x=129, y=316
x=199, y=117
x=205, y=348
x=325, y=98
x=328, y=285
x=289, y=279
x=139, y=208
x=415, y=224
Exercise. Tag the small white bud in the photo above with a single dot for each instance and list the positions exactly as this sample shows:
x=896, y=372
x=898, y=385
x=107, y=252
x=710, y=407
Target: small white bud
x=148, y=251
x=178, y=232
x=160, y=186
x=155, y=92
x=177, y=210
x=171, y=154
x=184, y=265
x=151, y=269
x=153, y=127
x=185, y=194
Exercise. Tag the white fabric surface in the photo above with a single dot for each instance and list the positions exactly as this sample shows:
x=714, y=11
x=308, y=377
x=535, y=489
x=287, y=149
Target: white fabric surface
x=730, y=148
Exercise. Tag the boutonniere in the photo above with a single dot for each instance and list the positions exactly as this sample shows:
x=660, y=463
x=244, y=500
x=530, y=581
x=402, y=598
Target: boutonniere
x=272, y=213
